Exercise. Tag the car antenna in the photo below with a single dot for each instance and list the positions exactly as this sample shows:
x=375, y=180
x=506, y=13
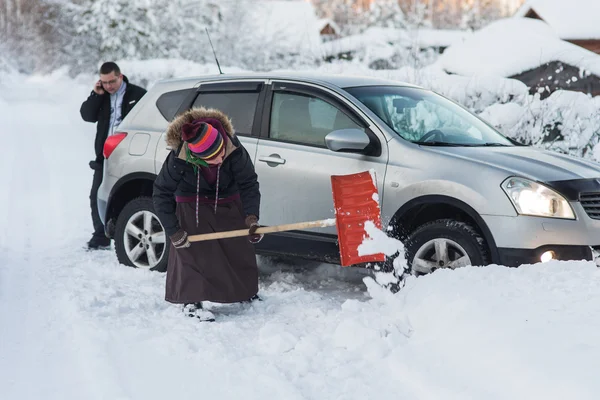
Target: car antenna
x=213, y=49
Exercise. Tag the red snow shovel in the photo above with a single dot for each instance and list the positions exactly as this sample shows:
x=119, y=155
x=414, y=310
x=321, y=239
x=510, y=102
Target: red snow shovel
x=356, y=201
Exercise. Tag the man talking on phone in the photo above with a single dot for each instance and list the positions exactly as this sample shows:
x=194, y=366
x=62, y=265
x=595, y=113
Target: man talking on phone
x=110, y=101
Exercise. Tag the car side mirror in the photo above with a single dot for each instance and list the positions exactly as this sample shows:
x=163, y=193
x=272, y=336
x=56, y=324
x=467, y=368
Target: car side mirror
x=349, y=140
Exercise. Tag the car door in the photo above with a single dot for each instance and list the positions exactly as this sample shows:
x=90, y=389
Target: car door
x=293, y=163
x=239, y=100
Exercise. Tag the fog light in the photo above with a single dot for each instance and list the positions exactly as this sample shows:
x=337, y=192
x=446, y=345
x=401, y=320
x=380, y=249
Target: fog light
x=547, y=256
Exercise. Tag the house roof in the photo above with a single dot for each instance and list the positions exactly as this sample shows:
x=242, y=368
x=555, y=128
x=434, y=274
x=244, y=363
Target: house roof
x=511, y=46
x=323, y=22
x=571, y=20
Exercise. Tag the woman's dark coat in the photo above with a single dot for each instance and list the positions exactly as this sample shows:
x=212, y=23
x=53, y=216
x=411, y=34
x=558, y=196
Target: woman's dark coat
x=224, y=270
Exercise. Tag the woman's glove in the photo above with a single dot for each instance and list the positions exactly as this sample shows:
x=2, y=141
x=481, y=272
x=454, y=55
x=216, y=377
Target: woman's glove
x=180, y=239
x=252, y=224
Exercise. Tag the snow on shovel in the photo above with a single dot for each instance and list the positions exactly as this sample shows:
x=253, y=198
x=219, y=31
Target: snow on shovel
x=356, y=202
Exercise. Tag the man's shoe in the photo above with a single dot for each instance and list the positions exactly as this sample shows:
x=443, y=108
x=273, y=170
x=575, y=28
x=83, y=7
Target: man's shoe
x=98, y=243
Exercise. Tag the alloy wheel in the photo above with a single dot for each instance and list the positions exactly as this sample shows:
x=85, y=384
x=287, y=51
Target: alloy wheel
x=144, y=239
x=439, y=253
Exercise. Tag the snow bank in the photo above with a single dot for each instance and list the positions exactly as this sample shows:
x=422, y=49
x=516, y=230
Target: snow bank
x=510, y=46
x=534, y=121
x=579, y=20
x=391, y=38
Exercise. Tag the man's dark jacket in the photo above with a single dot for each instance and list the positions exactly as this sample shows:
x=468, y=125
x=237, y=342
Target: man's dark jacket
x=97, y=109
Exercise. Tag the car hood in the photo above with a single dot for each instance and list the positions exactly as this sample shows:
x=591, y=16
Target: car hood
x=525, y=161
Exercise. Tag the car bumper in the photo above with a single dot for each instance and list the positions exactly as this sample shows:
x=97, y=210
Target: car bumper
x=512, y=257
x=102, y=206
x=108, y=182
x=523, y=239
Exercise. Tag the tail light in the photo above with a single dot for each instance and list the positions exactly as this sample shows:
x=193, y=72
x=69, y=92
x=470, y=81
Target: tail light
x=112, y=142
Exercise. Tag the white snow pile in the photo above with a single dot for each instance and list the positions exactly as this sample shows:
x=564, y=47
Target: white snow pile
x=391, y=38
x=577, y=21
x=396, y=46
x=514, y=45
x=532, y=121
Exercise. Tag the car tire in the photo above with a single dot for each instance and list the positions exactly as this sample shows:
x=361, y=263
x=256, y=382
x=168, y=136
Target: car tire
x=140, y=239
x=444, y=243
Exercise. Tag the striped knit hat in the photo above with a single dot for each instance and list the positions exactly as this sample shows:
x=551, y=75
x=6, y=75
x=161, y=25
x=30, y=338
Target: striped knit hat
x=203, y=139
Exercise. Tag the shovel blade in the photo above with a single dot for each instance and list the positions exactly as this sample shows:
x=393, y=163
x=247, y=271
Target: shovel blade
x=356, y=201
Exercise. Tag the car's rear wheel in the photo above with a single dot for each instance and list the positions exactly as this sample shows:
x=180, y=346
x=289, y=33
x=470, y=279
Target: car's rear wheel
x=445, y=243
x=140, y=239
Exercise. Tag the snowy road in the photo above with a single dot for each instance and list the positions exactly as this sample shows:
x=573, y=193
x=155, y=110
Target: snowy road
x=77, y=325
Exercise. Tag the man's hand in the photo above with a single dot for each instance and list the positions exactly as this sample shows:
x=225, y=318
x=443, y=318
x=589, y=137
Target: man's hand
x=180, y=239
x=252, y=224
x=98, y=89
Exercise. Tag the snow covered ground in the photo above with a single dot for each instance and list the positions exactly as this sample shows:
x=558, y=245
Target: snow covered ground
x=77, y=325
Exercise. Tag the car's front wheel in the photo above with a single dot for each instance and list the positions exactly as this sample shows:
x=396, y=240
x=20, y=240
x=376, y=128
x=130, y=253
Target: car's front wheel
x=140, y=239
x=445, y=243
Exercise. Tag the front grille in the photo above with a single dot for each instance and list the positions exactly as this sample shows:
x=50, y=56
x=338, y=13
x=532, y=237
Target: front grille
x=591, y=204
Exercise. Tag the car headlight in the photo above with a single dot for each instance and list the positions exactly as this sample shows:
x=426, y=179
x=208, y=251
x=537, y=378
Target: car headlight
x=531, y=198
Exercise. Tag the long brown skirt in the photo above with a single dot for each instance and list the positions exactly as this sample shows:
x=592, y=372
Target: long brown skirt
x=221, y=271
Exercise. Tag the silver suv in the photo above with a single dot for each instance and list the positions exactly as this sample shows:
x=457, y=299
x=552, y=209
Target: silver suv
x=452, y=188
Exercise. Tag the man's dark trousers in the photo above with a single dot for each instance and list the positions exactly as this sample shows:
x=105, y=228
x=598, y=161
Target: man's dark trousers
x=98, y=226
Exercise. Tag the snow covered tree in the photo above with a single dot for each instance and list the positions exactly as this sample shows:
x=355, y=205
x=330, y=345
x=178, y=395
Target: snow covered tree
x=433, y=13
x=98, y=30
x=116, y=29
x=25, y=33
x=385, y=13
x=478, y=13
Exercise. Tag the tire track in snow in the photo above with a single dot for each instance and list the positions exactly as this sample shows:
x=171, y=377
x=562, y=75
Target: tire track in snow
x=46, y=352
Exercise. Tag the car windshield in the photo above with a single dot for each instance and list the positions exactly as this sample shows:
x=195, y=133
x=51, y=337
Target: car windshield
x=426, y=118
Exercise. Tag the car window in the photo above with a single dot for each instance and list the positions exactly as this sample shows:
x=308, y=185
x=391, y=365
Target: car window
x=305, y=119
x=427, y=118
x=239, y=106
x=416, y=119
x=168, y=103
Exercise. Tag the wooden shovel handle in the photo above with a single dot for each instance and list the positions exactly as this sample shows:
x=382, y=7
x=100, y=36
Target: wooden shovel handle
x=265, y=229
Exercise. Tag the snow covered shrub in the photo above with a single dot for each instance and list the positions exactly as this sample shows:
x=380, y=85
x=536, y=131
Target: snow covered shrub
x=568, y=122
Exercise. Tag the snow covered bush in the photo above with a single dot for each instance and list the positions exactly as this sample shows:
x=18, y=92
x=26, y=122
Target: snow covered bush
x=568, y=122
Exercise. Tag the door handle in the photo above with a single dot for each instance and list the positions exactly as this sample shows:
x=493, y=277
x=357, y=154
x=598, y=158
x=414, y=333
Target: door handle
x=272, y=160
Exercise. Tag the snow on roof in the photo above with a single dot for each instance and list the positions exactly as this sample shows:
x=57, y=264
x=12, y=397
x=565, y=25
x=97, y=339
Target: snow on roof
x=379, y=38
x=438, y=37
x=387, y=38
x=510, y=46
x=290, y=23
x=323, y=22
x=573, y=19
